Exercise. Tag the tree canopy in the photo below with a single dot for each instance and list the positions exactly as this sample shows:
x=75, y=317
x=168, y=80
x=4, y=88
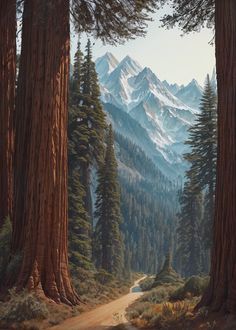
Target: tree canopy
x=112, y=21
x=189, y=15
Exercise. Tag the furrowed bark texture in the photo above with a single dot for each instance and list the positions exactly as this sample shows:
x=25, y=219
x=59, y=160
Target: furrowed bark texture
x=221, y=294
x=7, y=101
x=40, y=185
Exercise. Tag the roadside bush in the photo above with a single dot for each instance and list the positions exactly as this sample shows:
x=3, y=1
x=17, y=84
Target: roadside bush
x=167, y=277
x=22, y=307
x=147, y=283
x=137, y=309
x=104, y=277
x=156, y=296
x=193, y=287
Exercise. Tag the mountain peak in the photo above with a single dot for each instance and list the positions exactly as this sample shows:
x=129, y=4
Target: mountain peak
x=107, y=57
x=147, y=74
x=127, y=58
x=194, y=82
x=110, y=56
x=105, y=65
x=131, y=64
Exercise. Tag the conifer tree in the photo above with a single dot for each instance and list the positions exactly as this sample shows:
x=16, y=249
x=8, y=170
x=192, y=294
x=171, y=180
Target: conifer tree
x=40, y=179
x=203, y=155
x=109, y=244
x=79, y=224
x=91, y=124
x=188, y=231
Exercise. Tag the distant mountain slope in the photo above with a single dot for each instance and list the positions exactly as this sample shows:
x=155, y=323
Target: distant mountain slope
x=173, y=88
x=125, y=125
x=191, y=94
x=148, y=204
x=165, y=117
x=105, y=65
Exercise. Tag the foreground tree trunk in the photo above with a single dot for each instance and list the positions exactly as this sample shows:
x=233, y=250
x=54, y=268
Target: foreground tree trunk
x=7, y=101
x=221, y=294
x=40, y=185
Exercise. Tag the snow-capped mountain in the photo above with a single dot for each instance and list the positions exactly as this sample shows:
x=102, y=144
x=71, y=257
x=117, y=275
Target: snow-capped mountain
x=105, y=65
x=173, y=88
x=163, y=116
x=117, y=86
x=191, y=94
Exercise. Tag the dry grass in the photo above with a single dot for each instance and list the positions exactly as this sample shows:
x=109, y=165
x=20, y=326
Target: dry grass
x=26, y=311
x=156, y=310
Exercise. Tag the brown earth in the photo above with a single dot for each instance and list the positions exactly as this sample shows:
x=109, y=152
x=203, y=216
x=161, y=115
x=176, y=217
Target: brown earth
x=103, y=317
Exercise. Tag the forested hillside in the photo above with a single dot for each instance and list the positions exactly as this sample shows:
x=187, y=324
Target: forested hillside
x=105, y=173
x=148, y=205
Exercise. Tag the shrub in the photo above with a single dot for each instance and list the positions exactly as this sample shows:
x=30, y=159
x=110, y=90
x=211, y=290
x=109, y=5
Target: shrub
x=22, y=307
x=156, y=296
x=137, y=309
x=5, y=244
x=194, y=287
x=147, y=283
x=104, y=277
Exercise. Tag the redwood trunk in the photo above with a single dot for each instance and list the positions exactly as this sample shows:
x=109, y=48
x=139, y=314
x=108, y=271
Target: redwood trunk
x=40, y=185
x=221, y=294
x=7, y=98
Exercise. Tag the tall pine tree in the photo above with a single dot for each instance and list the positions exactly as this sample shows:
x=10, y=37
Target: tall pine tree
x=201, y=177
x=203, y=155
x=108, y=251
x=79, y=225
x=189, y=228
x=91, y=125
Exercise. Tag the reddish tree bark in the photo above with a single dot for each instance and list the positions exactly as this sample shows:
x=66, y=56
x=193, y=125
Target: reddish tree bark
x=40, y=185
x=221, y=294
x=7, y=101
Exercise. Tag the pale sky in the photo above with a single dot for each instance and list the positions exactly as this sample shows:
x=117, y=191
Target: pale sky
x=171, y=56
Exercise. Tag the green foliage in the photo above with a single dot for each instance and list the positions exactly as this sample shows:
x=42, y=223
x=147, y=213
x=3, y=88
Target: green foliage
x=189, y=15
x=167, y=275
x=157, y=295
x=86, y=135
x=108, y=246
x=86, y=122
x=170, y=277
x=198, y=196
x=188, y=231
x=5, y=246
x=137, y=309
x=148, y=206
x=23, y=306
x=193, y=287
x=123, y=19
x=160, y=316
x=103, y=277
x=147, y=283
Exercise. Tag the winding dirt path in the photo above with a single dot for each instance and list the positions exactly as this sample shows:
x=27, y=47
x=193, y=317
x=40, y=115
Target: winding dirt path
x=103, y=317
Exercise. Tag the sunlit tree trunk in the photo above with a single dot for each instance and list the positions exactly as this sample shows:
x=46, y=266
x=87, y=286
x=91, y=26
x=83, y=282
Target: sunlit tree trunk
x=40, y=185
x=7, y=99
x=221, y=294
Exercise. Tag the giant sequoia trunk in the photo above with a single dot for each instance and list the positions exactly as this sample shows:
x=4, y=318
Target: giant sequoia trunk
x=221, y=294
x=7, y=98
x=40, y=185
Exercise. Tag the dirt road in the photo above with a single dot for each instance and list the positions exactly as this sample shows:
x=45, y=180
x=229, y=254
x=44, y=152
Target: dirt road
x=103, y=317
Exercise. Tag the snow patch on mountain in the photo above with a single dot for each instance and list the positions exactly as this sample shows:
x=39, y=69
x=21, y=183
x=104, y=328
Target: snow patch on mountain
x=163, y=110
x=191, y=94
